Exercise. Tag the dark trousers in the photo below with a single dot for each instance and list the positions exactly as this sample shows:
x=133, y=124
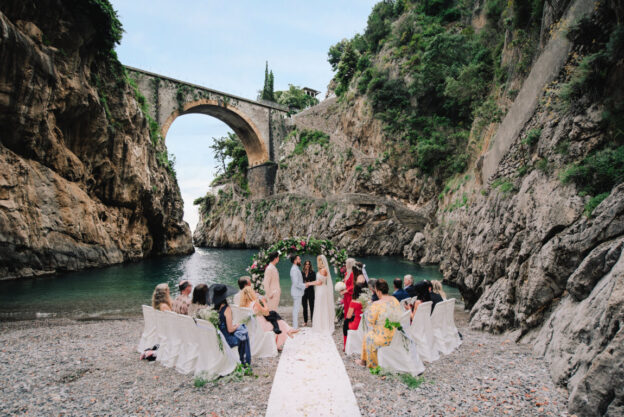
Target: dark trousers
x=273, y=318
x=308, y=300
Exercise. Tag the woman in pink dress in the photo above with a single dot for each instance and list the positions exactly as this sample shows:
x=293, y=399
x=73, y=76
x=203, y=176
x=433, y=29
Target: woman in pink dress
x=249, y=299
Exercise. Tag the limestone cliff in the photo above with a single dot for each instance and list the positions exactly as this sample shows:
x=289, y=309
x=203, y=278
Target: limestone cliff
x=533, y=252
x=81, y=183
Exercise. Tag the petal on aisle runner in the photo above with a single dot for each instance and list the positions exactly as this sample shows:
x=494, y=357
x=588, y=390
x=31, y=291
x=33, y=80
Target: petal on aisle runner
x=311, y=380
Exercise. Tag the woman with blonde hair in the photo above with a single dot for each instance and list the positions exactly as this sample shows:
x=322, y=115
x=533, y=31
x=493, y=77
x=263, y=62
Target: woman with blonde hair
x=160, y=298
x=436, y=287
x=249, y=299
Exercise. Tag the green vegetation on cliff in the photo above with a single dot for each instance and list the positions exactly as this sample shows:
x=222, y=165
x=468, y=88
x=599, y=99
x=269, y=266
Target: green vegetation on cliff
x=230, y=153
x=295, y=98
x=428, y=74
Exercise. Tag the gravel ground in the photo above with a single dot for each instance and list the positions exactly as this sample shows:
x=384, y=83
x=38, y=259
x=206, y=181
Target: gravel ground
x=85, y=368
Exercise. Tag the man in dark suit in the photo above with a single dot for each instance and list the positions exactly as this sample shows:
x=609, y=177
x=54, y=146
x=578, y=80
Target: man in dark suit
x=409, y=288
x=399, y=292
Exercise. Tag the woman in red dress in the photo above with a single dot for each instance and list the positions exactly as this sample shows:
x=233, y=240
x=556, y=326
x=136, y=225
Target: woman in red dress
x=347, y=295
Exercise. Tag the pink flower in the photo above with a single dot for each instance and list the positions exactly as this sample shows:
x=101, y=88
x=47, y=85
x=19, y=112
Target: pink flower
x=302, y=243
x=293, y=247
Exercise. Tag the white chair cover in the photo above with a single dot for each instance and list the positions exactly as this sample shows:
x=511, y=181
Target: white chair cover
x=149, y=337
x=401, y=355
x=172, y=340
x=445, y=336
x=262, y=344
x=422, y=334
x=211, y=361
x=189, y=344
x=355, y=338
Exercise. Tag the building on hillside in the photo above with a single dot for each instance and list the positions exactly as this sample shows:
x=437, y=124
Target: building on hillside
x=311, y=92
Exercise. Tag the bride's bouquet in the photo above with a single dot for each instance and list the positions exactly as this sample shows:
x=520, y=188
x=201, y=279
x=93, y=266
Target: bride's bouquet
x=340, y=286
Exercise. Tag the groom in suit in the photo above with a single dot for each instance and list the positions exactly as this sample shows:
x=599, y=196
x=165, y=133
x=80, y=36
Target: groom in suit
x=297, y=288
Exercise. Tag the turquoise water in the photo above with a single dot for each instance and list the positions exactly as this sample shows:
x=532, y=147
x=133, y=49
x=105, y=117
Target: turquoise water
x=120, y=290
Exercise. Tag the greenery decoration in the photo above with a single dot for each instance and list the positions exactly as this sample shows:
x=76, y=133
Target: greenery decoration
x=295, y=245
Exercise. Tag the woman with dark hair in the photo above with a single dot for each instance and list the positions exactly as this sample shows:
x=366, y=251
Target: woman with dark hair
x=354, y=312
x=348, y=318
x=198, y=302
x=308, y=295
x=227, y=326
x=387, y=307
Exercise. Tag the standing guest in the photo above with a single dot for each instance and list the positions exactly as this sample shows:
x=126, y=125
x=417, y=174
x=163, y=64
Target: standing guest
x=308, y=294
x=347, y=294
x=354, y=312
x=408, y=286
x=242, y=283
x=271, y=283
x=183, y=300
x=378, y=335
x=160, y=298
x=227, y=326
x=362, y=268
x=399, y=292
x=198, y=302
x=346, y=326
x=297, y=288
x=249, y=299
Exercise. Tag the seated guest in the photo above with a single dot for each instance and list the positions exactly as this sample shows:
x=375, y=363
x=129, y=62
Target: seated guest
x=362, y=269
x=161, y=299
x=227, y=326
x=182, y=301
x=378, y=335
x=436, y=287
x=434, y=296
x=371, y=287
x=198, y=302
x=399, y=292
x=408, y=286
x=249, y=299
x=242, y=283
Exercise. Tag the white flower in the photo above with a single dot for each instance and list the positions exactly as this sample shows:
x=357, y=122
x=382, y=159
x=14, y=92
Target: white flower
x=340, y=286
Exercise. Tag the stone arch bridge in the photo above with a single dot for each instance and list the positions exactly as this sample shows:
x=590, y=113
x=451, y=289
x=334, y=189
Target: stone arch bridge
x=259, y=125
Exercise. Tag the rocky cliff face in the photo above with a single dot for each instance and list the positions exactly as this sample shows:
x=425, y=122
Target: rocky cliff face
x=81, y=184
x=528, y=251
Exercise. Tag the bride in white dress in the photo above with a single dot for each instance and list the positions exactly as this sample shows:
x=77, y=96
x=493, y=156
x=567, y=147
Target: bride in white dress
x=324, y=313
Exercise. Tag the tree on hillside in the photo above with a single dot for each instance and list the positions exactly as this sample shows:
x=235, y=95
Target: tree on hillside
x=230, y=154
x=268, y=88
x=295, y=98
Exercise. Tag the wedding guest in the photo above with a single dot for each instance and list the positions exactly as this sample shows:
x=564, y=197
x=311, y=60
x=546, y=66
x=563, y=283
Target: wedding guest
x=408, y=286
x=242, y=283
x=183, y=301
x=362, y=269
x=378, y=335
x=271, y=283
x=399, y=293
x=198, y=302
x=436, y=287
x=354, y=313
x=371, y=287
x=347, y=320
x=308, y=295
x=227, y=326
x=434, y=296
x=249, y=299
x=161, y=299
x=347, y=294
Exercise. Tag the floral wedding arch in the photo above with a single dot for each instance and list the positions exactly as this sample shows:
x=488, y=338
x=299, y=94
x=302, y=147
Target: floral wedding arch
x=295, y=245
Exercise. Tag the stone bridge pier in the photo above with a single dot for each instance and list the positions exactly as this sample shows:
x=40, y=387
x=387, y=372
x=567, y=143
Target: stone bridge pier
x=259, y=125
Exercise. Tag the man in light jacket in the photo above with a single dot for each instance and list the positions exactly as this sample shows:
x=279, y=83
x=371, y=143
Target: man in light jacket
x=297, y=288
x=271, y=284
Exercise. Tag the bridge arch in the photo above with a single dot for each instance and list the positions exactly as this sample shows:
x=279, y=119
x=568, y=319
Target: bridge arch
x=243, y=126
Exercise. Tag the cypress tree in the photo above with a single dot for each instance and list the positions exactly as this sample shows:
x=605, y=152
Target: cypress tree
x=271, y=89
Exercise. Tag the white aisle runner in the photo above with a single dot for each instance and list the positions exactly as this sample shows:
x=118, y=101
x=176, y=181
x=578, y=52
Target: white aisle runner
x=311, y=380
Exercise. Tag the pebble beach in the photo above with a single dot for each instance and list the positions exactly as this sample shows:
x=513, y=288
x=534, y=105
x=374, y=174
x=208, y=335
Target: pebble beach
x=66, y=367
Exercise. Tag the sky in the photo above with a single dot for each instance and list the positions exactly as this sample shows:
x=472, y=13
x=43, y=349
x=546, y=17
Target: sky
x=224, y=45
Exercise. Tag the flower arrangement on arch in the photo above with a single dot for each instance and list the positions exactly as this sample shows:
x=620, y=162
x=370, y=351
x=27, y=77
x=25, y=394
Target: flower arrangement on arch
x=295, y=245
